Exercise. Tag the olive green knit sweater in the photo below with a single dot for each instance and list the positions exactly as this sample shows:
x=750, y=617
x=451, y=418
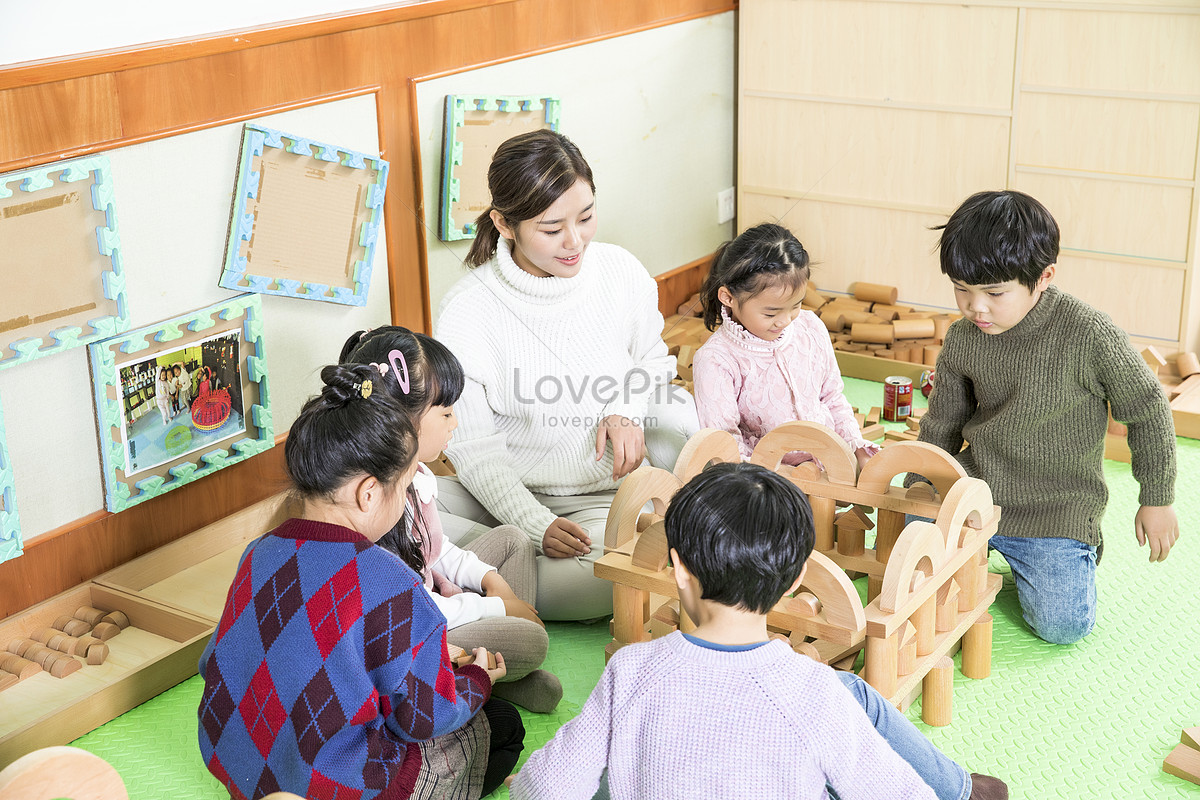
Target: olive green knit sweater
x=1031, y=404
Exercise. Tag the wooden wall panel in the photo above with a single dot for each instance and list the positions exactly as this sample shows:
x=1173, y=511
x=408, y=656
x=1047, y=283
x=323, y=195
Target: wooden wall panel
x=1112, y=51
x=1143, y=220
x=839, y=151
x=893, y=52
x=57, y=117
x=66, y=107
x=1108, y=134
x=850, y=243
x=1146, y=300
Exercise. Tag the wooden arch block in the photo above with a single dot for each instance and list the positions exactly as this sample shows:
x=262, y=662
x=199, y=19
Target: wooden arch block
x=920, y=541
x=969, y=502
x=651, y=551
x=838, y=598
x=644, y=485
x=830, y=449
x=933, y=463
x=54, y=772
x=705, y=447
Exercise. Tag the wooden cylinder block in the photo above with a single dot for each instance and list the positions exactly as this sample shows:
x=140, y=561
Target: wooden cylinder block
x=44, y=635
x=874, y=292
x=967, y=578
x=628, y=614
x=929, y=355
x=59, y=642
x=851, y=541
x=910, y=314
x=105, y=631
x=925, y=620
x=977, y=648
x=834, y=322
x=89, y=615
x=18, y=646
x=97, y=653
x=852, y=317
x=1187, y=364
x=907, y=659
x=941, y=324
x=823, y=509
x=849, y=304
x=882, y=659
x=42, y=656
x=812, y=297
x=67, y=644
x=913, y=328
x=62, y=622
x=810, y=650
x=947, y=616
x=872, y=333
x=937, y=694
x=887, y=353
x=805, y=604
x=77, y=627
x=889, y=525
x=64, y=666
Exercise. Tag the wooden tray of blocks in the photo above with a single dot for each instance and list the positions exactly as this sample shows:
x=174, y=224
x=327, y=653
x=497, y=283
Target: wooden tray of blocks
x=127, y=650
x=169, y=601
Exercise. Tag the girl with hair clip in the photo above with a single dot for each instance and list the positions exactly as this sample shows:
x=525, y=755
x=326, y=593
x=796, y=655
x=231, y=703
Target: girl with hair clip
x=770, y=362
x=332, y=646
x=486, y=590
x=566, y=371
x=162, y=396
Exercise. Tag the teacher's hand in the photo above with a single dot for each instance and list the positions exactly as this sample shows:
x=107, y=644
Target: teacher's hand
x=565, y=539
x=628, y=443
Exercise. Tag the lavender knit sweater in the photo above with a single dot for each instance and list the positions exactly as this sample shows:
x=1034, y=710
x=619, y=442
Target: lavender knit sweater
x=670, y=719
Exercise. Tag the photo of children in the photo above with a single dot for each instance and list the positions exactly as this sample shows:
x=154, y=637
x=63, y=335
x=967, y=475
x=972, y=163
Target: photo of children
x=180, y=401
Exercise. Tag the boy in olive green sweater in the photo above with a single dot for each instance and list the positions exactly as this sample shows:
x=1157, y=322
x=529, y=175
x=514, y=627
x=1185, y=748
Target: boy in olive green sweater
x=1026, y=380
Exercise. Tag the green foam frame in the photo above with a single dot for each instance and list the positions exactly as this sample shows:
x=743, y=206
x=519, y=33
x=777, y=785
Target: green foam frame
x=121, y=493
x=10, y=523
x=457, y=106
x=108, y=242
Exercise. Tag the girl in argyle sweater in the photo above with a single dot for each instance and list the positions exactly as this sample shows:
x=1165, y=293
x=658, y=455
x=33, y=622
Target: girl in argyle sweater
x=328, y=674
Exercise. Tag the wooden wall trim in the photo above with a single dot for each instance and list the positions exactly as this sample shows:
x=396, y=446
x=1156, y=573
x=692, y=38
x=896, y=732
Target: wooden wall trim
x=28, y=73
x=60, y=108
x=677, y=285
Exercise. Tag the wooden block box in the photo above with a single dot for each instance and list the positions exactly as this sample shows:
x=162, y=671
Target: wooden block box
x=193, y=574
x=159, y=649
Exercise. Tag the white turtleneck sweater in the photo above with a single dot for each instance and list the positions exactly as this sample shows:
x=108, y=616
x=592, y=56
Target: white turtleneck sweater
x=545, y=360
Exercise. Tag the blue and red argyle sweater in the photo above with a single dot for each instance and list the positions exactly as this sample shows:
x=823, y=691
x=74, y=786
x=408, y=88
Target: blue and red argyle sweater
x=328, y=663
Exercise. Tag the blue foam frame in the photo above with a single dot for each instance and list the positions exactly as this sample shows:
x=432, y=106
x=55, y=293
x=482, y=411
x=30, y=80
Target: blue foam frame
x=255, y=139
x=119, y=493
x=457, y=106
x=10, y=523
x=108, y=243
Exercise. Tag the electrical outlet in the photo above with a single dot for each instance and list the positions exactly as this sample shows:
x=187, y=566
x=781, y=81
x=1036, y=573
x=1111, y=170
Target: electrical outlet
x=725, y=205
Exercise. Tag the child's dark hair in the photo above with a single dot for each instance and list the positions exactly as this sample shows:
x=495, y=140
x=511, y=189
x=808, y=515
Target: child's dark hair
x=998, y=236
x=435, y=378
x=761, y=257
x=527, y=174
x=349, y=429
x=743, y=531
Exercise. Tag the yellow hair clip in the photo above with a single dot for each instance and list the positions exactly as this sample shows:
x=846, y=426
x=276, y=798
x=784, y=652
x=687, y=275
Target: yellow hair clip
x=367, y=386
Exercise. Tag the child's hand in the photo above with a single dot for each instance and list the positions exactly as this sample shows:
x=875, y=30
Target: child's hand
x=628, y=443
x=1159, y=526
x=565, y=539
x=494, y=673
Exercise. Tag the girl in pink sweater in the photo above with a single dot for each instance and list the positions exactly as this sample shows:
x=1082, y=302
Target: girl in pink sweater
x=485, y=590
x=770, y=362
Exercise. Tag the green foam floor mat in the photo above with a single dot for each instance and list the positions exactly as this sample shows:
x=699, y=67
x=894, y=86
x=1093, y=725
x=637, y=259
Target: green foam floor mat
x=1091, y=720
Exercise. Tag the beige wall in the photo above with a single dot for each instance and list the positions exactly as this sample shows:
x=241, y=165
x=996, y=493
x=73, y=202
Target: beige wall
x=863, y=122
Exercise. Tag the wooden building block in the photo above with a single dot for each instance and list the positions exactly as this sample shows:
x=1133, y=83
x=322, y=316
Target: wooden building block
x=890, y=311
x=1154, y=359
x=1190, y=737
x=930, y=353
x=874, y=433
x=872, y=333
x=1183, y=762
x=64, y=620
x=907, y=657
x=913, y=328
x=886, y=353
x=21, y=667
x=97, y=653
x=823, y=509
x=1187, y=364
x=805, y=604
x=874, y=292
x=7, y=680
x=874, y=414
x=937, y=694
x=880, y=668
x=77, y=627
x=89, y=615
x=66, y=644
x=665, y=620
x=105, y=631
x=941, y=324
x=947, y=607
x=651, y=551
x=64, y=666
x=977, y=648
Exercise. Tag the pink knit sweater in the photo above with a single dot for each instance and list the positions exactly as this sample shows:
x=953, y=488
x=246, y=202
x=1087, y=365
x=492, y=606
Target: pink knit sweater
x=671, y=719
x=749, y=386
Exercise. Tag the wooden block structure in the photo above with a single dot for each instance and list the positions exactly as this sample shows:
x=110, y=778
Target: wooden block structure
x=1184, y=760
x=932, y=589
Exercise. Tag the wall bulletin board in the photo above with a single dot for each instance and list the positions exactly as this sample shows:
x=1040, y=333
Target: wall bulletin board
x=174, y=197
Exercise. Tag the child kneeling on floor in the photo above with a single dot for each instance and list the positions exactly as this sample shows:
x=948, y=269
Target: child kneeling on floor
x=328, y=673
x=723, y=711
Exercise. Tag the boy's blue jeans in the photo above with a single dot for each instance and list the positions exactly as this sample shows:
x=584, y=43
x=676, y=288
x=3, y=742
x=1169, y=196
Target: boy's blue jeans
x=948, y=780
x=1056, y=584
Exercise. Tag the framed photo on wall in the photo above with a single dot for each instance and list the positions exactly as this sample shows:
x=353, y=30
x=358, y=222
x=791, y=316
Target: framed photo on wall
x=181, y=399
x=64, y=286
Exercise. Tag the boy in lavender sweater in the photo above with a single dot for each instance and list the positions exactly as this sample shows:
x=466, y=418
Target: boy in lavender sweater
x=723, y=712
